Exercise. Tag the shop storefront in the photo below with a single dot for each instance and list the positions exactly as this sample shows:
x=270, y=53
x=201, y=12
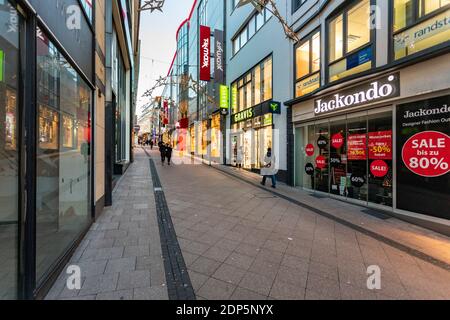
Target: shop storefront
x=378, y=143
x=252, y=134
x=55, y=172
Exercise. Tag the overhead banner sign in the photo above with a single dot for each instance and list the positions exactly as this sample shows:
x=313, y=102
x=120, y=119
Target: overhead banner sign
x=370, y=92
x=205, y=53
x=219, y=61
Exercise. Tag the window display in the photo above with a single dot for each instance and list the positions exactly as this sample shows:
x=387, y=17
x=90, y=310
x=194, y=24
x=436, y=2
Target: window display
x=349, y=156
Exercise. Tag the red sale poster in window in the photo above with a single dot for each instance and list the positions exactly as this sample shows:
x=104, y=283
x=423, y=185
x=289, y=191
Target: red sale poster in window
x=380, y=145
x=356, y=146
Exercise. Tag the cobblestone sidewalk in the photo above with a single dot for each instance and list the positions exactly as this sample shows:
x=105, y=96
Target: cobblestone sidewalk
x=120, y=257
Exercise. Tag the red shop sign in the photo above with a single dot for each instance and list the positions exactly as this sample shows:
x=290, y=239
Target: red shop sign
x=321, y=162
x=205, y=53
x=356, y=147
x=427, y=154
x=337, y=140
x=380, y=145
x=309, y=149
x=379, y=168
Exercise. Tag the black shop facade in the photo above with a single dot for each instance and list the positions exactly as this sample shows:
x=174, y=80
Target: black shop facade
x=379, y=142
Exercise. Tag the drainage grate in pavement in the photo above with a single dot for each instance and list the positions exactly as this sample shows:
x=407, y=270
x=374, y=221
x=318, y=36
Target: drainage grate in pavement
x=265, y=196
x=376, y=214
x=179, y=284
x=318, y=196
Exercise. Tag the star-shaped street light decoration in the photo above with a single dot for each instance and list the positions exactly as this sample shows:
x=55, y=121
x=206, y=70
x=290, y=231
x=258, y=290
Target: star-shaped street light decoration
x=152, y=5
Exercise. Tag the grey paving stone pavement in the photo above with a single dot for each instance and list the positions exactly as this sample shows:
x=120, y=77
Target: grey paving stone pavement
x=120, y=257
x=241, y=242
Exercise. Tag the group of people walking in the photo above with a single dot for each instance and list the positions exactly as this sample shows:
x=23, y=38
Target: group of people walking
x=146, y=142
x=166, y=152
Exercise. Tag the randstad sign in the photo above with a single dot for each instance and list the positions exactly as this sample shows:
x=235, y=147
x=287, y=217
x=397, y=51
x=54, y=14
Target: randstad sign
x=370, y=92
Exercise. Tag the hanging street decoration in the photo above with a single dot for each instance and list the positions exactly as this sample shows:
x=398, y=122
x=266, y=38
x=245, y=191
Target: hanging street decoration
x=152, y=5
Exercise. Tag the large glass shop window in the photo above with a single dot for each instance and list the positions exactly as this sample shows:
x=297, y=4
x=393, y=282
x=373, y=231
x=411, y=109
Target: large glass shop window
x=349, y=156
x=423, y=157
x=63, y=155
x=9, y=151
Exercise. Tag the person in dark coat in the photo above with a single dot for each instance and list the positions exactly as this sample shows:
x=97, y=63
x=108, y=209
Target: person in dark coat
x=168, y=152
x=162, y=150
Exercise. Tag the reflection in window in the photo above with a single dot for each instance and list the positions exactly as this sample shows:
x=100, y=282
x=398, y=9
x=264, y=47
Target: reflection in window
x=267, y=94
x=308, y=65
x=63, y=177
x=411, y=37
x=358, y=31
x=336, y=38
x=9, y=155
x=347, y=59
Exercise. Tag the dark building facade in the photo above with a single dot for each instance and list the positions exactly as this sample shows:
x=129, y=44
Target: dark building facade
x=50, y=95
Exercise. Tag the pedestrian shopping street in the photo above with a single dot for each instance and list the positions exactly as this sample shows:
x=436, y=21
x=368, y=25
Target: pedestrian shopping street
x=239, y=240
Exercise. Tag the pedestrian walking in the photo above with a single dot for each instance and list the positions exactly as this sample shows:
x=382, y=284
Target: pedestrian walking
x=151, y=144
x=268, y=168
x=168, y=151
x=239, y=157
x=162, y=150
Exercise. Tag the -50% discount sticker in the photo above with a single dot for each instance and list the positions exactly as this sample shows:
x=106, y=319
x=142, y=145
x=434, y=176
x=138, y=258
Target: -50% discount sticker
x=427, y=154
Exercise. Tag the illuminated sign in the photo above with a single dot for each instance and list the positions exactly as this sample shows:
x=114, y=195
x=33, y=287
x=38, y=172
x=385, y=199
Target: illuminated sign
x=2, y=55
x=224, y=101
x=243, y=115
x=370, y=92
x=205, y=53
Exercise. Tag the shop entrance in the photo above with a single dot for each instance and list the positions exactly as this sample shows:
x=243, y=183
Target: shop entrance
x=253, y=143
x=348, y=157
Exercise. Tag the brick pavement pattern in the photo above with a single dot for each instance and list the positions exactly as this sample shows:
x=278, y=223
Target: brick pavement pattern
x=241, y=242
x=120, y=257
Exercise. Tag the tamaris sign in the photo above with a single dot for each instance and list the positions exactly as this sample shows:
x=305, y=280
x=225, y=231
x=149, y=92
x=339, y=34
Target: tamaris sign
x=205, y=53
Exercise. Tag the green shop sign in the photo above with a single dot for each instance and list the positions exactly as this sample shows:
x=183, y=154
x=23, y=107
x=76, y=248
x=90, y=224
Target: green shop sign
x=265, y=108
x=1, y=65
x=243, y=115
x=224, y=94
x=234, y=94
x=275, y=107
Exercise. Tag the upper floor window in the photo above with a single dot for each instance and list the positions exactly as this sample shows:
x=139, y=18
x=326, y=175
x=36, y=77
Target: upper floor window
x=88, y=8
x=251, y=27
x=419, y=24
x=297, y=4
x=307, y=56
x=350, y=49
x=253, y=88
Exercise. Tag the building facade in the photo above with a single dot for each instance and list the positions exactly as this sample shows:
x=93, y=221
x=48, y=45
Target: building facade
x=258, y=73
x=52, y=88
x=370, y=111
x=191, y=101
